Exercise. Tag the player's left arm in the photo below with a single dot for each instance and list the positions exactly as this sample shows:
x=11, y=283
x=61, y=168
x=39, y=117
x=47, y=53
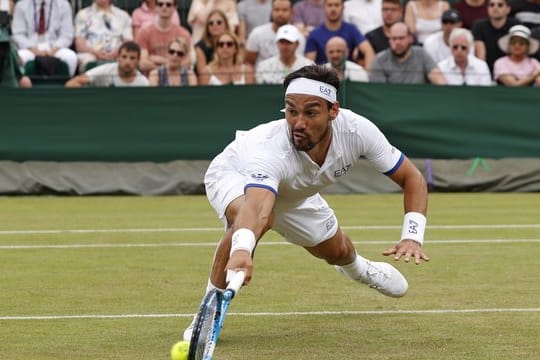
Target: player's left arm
x=415, y=205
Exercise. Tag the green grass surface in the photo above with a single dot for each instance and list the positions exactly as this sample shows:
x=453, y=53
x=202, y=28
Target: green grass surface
x=479, y=297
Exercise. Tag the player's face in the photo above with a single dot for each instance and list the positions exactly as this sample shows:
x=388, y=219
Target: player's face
x=309, y=120
x=127, y=61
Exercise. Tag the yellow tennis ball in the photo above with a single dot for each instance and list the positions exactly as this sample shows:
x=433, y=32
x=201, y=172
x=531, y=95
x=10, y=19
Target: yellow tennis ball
x=180, y=350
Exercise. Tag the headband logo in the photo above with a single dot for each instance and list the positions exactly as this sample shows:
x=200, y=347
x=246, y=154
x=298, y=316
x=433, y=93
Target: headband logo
x=324, y=90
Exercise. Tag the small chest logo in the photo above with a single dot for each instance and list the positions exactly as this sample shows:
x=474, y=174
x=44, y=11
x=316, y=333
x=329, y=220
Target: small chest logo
x=342, y=171
x=259, y=177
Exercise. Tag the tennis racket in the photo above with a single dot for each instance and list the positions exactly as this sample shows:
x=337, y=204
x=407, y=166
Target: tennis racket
x=210, y=317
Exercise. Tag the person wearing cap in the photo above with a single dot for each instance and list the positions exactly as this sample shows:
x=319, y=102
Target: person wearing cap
x=487, y=32
x=270, y=177
x=275, y=69
x=518, y=68
x=437, y=44
x=261, y=42
x=462, y=67
x=337, y=54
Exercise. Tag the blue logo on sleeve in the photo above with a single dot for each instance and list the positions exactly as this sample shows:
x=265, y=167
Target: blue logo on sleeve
x=259, y=177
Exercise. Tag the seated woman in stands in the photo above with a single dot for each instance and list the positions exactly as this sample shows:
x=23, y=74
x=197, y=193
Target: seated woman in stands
x=518, y=68
x=227, y=67
x=177, y=71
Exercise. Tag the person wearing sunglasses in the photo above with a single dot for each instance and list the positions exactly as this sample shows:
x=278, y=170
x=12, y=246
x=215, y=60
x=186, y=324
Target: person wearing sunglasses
x=462, y=67
x=487, y=32
x=147, y=14
x=518, y=68
x=177, y=71
x=155, y=38
x=216, y=25
x=227, y=68
x=200, y=10
x=437, y=45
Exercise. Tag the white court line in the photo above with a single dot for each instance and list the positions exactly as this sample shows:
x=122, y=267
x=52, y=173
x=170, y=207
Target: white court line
x=212, y=229
x=288, y=313
x=262, y=243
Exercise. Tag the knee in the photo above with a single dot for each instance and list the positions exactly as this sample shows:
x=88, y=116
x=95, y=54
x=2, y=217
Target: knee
x=341, y=254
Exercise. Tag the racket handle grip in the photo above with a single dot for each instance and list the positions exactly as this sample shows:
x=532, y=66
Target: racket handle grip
x=236, y=280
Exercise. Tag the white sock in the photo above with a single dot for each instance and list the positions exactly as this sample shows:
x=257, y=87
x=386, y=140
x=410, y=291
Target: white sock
x=210, y=287
x=356, y=270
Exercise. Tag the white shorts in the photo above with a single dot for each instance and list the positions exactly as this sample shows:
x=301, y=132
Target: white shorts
x=306, y=224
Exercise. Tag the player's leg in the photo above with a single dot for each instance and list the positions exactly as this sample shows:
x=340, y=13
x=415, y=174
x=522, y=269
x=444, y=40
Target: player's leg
x=313, y=225
x=339, y=251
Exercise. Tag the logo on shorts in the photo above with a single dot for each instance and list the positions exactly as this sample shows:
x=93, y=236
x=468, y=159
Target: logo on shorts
x=330, y=223
x=259, y=177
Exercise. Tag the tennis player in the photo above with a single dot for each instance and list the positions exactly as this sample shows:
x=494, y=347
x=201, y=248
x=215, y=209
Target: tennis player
x=269, y=177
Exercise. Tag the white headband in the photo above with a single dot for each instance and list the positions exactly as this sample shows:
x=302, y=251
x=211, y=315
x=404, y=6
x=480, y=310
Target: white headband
x=312, y=87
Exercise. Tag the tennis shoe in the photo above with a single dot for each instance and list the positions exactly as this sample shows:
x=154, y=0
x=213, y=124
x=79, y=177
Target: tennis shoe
x=385, y=278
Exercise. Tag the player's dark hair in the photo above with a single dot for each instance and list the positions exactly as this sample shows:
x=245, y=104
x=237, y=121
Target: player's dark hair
x=315, y=72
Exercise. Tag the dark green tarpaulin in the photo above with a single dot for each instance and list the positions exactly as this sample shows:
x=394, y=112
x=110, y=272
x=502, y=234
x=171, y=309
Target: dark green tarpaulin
x=158, y=125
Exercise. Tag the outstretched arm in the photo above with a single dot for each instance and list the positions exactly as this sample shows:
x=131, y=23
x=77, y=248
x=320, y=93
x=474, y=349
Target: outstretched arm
x=415, y=202
x=254, y=218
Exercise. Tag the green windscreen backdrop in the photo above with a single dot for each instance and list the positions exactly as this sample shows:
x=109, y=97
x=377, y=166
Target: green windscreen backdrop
x=164, y=124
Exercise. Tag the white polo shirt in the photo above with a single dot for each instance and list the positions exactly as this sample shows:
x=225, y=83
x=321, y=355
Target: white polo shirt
x=265, y=157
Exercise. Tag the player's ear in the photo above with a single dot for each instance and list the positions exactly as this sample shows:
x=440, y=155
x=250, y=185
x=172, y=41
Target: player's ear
x=334, y=110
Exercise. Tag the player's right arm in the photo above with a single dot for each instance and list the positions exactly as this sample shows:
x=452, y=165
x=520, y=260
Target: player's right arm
x=255, y=216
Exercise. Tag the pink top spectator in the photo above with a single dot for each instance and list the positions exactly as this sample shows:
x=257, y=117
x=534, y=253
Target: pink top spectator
x=522, y=69
x=143, y=16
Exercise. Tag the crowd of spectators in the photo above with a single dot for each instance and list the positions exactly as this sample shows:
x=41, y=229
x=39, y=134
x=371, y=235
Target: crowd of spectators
x=220, y=42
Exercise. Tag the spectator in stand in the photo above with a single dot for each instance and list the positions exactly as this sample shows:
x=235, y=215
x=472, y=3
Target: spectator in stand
x=44, y=28
x=337, y=53
x=307, y=15
x=100, y=29
x=216, y=25
x=334, y=25
x=227, y=67
x=252, y=13
x=275, y=69
x=518, y=68
x=423, y=17
x=365, y=14
x=11, y=74
x=261, y=43
x=438, y=45
x=404, y=63
x=121, y=73
x=177, y=71
x=154, y=39
x=392, y=12
x=526, y=12
x=487, y=32
x=462, y=67
x=200, y=9
x=471, y=10
x=535, y=33
x=146, y=14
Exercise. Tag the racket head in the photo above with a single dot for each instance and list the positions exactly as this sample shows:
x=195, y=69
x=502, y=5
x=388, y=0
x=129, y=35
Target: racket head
x=204, y=336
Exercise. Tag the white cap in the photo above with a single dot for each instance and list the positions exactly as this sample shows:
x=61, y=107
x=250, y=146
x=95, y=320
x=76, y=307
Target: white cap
x=289, y=33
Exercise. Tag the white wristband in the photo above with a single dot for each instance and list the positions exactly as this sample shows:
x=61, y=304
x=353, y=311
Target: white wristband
x=414, y=226
x=243, y=239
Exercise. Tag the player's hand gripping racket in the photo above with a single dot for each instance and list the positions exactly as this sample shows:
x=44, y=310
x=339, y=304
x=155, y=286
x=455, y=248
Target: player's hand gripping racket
x=210, y=317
